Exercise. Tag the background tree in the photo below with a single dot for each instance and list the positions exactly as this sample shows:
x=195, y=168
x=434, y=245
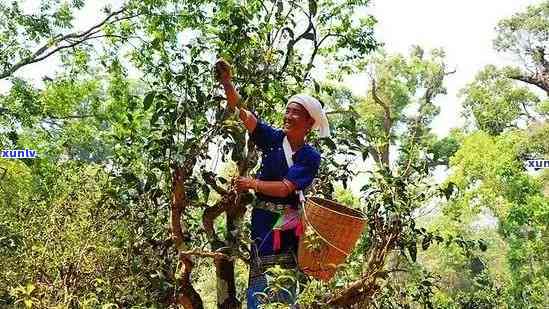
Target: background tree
x=30, y=38
x=489, y=169
x=390, y=126
x=525, y=36
x=497, y=103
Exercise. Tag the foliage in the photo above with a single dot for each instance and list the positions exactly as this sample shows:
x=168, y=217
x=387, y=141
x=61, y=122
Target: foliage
x=134, y=129
x=489, y=173
x=496, y=103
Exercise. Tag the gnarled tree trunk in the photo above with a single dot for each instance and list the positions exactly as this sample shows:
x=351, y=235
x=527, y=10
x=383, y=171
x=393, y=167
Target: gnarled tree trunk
x=226, y=285
x=186, y=295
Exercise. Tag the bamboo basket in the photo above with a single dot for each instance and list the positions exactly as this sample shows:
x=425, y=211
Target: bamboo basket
x=330, y=233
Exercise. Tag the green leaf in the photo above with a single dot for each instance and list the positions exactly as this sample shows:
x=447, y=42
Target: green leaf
x=449, y=190
x=309, y=36
x=286, y=277
x=313, y=7
x=412, y=249
x=365, y=154
x=279, y=9
x=28, y=303
x=12, y=135
x=482, y=245
x=426, y=243
x=200, y=97
x=154, y=118
x=205, y=190
x=317, y=86
x=149, y=98
x=330, y=143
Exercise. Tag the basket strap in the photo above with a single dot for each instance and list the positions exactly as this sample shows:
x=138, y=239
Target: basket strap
x=320, y=235
x=288, y=154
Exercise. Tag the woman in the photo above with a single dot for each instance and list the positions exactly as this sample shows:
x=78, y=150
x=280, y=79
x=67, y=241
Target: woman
x=288, y=167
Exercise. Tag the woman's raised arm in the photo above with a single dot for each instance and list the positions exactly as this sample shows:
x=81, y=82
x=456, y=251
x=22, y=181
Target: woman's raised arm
x=224, y=76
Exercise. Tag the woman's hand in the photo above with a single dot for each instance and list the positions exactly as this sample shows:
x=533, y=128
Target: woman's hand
x=244, y=184
x=274, y=188
x=223, y=71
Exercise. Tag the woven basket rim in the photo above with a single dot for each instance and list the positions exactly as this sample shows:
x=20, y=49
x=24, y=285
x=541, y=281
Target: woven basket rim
x=360, y=215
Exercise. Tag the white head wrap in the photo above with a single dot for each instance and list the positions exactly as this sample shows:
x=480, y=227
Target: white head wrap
x=315, y=110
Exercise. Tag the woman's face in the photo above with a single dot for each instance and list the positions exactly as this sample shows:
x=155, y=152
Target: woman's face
x=297, y=119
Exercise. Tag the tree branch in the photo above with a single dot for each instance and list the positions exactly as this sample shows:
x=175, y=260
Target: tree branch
x=540, y=79
x=215, y=255
x=313, y=54
x=292, y=42
x=188, y=296
x=73, y=39
x=386, y=108
x=387, y=123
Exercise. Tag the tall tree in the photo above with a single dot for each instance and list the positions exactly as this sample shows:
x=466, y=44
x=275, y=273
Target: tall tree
x=489, y=169
x=488, y=172
x=391, y=126
x=526, y=36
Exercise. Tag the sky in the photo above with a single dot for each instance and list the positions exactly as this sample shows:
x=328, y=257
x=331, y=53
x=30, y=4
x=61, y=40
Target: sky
x=464, y=29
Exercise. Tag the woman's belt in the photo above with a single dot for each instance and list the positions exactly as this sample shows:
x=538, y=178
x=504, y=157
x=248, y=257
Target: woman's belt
x=270, y=206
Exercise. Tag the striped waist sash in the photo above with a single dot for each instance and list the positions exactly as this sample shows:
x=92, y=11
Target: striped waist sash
x=272, y=207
